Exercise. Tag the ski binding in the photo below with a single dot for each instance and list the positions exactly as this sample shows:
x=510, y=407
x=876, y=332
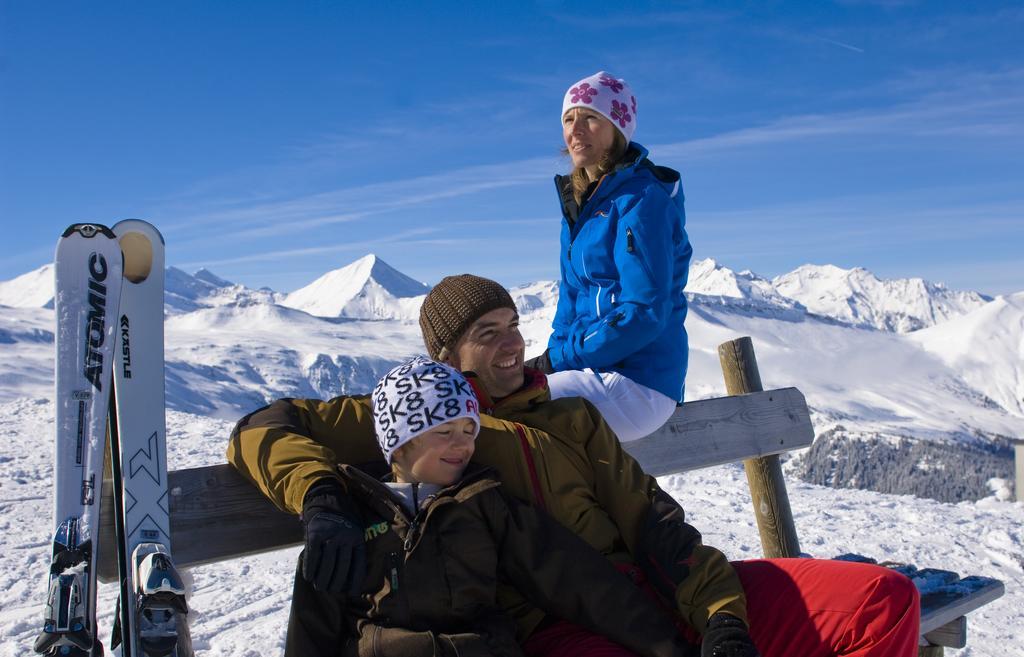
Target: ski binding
x=161, y=609
x=65, y=629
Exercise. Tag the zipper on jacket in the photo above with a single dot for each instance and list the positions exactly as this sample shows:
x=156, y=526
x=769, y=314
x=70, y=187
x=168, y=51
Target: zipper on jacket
x=413, y=532
x=393, y=573
x=631, y=247
x=410, y=535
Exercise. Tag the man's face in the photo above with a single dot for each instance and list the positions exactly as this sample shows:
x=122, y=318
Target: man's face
x=493, y=348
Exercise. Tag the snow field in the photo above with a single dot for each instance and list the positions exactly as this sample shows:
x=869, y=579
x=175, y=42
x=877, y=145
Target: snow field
x=240, y=608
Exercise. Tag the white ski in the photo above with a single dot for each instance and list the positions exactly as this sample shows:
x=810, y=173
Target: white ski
x=152, y=605
x=87, y=289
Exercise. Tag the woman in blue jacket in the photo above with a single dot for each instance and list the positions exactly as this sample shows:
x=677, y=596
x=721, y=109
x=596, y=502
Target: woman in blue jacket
x=618, y=337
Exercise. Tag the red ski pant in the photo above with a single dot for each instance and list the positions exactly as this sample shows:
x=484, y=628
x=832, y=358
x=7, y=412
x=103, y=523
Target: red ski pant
x=805, y=607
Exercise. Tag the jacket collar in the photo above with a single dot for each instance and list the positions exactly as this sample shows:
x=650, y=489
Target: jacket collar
x=379, y=497
x=635, y=155
x=534, y=391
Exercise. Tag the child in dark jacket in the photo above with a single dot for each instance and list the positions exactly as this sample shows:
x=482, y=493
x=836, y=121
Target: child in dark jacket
x=443, y=539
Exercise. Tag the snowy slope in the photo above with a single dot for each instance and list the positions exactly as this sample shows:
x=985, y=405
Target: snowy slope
x=240, y=608
x=536, y=304
x=227, y=360
x=31, y=290
x=26, y=352
x=231, y=349
x=368, y=288
x=858, y=297
x=866, y=380
x=986, y=347
x=185, y=293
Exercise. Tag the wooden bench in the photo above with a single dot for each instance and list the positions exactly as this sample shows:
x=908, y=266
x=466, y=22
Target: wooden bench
x=218, y=515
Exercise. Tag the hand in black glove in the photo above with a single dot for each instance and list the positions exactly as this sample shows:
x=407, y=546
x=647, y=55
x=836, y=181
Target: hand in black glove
x=727, y=636
x=335, y=557
x=542, y=363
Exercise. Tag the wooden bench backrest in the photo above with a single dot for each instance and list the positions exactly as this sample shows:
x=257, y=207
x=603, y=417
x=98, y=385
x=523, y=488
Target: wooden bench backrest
x=217, y=515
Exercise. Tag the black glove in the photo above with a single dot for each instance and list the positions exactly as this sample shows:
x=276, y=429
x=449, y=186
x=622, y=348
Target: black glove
x=542, y=363
x=335, y=557
x=727, y=636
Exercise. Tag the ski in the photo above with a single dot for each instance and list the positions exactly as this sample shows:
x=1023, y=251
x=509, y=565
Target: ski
x=86, y=297
x=152, y=616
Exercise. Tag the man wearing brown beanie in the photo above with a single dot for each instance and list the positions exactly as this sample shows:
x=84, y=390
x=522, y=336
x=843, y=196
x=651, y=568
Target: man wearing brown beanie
x=489, y=349
x=560, y=456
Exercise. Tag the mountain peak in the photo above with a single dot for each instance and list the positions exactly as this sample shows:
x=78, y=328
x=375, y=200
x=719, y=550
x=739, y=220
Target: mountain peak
x=30, y=290
x=208, y=276
x=367, y=288
x=709, y=278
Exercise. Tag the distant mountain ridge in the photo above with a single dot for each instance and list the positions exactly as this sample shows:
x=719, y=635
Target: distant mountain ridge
x=370, y=288
x=185, y=293
x=713, y=284
x=858, y=297
x=231, y=349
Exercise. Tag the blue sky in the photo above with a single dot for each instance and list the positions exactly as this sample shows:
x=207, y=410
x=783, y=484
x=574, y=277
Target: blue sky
x=274, y=141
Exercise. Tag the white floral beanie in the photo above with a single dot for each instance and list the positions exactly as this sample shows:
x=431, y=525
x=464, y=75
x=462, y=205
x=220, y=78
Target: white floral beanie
x=417, y=396
x=608, y=96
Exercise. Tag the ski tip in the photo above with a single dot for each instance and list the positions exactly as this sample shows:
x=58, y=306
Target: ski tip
x=139, y=225
x=88, y=230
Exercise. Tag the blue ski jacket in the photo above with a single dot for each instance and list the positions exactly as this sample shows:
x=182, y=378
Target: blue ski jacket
x=624, y=259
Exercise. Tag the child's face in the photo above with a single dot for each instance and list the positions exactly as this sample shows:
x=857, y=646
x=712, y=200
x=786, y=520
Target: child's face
x=438, y=456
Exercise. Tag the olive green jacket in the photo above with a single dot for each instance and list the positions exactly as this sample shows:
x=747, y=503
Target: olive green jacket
x=558, y=455
x=434, y=577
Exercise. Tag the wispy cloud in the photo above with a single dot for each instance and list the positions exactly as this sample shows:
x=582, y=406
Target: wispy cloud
x=994, y=111
x=986, y=111
x=341, y=247
x=907, y=237
x=264, y=219
x=840, y=44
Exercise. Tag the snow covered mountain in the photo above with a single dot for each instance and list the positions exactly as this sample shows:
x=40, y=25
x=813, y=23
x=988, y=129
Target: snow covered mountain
x=986, y=347
x=31, y=290
x=934, y=407
x=368, y=288
x=185, y=293
x=713, y=284
x=231, y=348
x=858, y=297
x=230, y=359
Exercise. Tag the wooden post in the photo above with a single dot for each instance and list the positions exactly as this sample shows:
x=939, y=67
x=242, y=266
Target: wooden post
x=1018, y=477
x=764, y=475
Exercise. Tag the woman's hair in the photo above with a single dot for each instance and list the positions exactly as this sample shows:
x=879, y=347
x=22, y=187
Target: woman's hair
x=579, y=179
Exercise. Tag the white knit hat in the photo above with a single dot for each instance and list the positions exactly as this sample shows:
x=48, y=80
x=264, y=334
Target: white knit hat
x=417, y=396
x=608, y=96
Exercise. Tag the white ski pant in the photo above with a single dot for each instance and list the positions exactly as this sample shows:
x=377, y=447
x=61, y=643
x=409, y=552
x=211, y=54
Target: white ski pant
x=630, y=409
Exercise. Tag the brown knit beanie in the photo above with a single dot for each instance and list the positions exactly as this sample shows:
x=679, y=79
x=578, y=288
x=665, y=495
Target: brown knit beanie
x=455, y=303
